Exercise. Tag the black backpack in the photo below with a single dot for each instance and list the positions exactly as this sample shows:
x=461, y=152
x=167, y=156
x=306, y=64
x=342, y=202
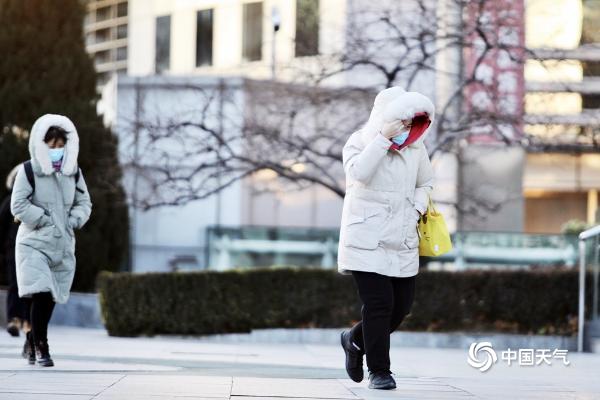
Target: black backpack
x=31, y=178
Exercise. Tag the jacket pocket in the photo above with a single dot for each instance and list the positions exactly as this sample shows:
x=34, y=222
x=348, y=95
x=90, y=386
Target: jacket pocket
x=412, y=234
x=363, y=228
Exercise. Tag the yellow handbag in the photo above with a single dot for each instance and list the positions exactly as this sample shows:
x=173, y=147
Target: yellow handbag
x=434, y=238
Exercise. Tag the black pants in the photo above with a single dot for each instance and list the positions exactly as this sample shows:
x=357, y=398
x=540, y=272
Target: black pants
x=386, y=301
x=42, y=306
x=15, y=306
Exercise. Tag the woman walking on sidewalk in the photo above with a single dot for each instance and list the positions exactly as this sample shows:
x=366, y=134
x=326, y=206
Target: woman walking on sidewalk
x=17, y=308
x=388, y=181
x=50, y=199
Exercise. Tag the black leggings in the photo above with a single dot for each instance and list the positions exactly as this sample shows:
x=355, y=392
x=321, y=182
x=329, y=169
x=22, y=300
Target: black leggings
x=42, y=306
x=386, y=301
x=16, y=307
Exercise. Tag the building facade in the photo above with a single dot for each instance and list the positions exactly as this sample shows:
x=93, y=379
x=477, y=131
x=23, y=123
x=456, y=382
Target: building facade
x=106, y=31
x=562, y=109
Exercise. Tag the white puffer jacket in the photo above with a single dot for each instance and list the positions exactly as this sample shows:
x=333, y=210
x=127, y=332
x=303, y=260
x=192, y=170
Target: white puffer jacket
x=385, y=191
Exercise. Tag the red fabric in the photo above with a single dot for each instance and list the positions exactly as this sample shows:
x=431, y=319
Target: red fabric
x=420, y=123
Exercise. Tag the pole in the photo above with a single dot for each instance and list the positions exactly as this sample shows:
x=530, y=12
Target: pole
x=581, y=317
x=276, y=21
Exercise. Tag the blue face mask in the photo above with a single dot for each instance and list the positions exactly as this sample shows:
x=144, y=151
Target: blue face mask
x=401, y=138
x=57, y=154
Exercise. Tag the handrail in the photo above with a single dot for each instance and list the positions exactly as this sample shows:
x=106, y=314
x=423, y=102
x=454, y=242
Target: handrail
x=595, y=231
x=583, y=236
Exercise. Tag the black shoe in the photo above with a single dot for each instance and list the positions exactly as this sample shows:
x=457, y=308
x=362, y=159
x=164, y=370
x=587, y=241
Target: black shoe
x=13, y=327
x=29, y=348
x=44, y=359
x=382, y=381
x=354, y=358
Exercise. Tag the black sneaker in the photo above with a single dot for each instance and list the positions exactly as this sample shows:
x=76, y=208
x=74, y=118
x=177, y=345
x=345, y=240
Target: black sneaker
x=381, y=381
x=44, y=359
x=29, y=348
x=354, y=358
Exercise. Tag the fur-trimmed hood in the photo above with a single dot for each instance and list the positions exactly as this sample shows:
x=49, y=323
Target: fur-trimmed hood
x=396, y=103
x=10, y=178
x=39, y=151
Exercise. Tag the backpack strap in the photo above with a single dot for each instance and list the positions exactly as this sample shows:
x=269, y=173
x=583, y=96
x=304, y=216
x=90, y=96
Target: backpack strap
x=30, y=176
x=77, y=175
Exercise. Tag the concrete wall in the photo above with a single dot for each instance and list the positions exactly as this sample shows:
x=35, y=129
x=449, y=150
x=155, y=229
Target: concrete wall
x=490, y=188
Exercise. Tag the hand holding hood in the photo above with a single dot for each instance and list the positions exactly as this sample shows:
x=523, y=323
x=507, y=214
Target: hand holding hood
x=397, y=104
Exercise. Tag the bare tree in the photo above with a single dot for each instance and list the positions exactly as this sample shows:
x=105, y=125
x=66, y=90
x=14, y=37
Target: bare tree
x=295, y=130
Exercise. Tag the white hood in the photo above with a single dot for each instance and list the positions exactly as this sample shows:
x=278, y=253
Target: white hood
x=10, y=178
x=396, y=103
x=39, y=151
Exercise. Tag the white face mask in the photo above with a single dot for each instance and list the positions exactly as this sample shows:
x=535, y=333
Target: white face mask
x=401, y=138
x=57, y=154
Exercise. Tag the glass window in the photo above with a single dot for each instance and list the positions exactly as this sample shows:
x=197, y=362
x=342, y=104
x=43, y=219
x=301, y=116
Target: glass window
x=204, y=37
x=102, y=57
x=590, y=34
x=590, y=29
x=307, y=28
x=122, y=10
x=102, y=14
x=163, y=43
x=122, y=53
x=121, y=31
x=252, y=32
x=102, y=35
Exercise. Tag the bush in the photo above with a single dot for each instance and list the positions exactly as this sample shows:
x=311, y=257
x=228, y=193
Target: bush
x=239, y=301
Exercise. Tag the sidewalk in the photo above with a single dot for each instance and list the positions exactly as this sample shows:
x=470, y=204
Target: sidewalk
x=91, y=365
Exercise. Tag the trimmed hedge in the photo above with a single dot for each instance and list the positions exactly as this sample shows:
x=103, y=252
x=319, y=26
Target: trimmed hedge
x=541, y=302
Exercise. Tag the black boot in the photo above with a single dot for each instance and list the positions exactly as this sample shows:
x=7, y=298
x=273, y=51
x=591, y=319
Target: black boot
x=381, y=380
x=29, y=348
x=44, y=359
x=354, y=358
x=13, y=327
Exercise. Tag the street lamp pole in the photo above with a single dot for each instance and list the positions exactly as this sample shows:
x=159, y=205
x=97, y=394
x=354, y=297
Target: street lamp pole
x=276, y=21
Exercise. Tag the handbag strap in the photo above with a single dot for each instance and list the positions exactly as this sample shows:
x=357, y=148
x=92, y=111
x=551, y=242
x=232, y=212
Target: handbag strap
x=432, y=205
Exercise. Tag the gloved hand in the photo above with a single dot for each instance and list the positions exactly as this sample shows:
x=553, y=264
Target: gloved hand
x=392, y=128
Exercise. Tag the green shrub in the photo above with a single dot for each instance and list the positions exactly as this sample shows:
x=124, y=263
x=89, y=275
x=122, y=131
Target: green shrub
x=542, y=302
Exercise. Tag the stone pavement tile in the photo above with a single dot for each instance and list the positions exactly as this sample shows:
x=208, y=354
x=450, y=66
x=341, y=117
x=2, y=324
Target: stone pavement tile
x=533, y=396
x=44, y=396
x=409, y=388
x=57, y=383
x=34, y=387
x=412, y=393
x=173, y=386
x=498, y=388
x=297, y=388
x=104, y=396
x=19, y=364
x=47, y=375
x=275, y=398
x=52, y=389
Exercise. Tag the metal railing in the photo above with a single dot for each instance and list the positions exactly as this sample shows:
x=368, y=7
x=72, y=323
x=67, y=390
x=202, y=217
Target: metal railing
x=589, y=236
x=260, y=245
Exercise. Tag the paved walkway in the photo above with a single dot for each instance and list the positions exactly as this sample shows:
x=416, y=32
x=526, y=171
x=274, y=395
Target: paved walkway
x=91, y=365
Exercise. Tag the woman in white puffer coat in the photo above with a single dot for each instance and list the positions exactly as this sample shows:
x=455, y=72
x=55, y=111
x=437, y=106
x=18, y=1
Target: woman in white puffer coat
x=388, y=182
